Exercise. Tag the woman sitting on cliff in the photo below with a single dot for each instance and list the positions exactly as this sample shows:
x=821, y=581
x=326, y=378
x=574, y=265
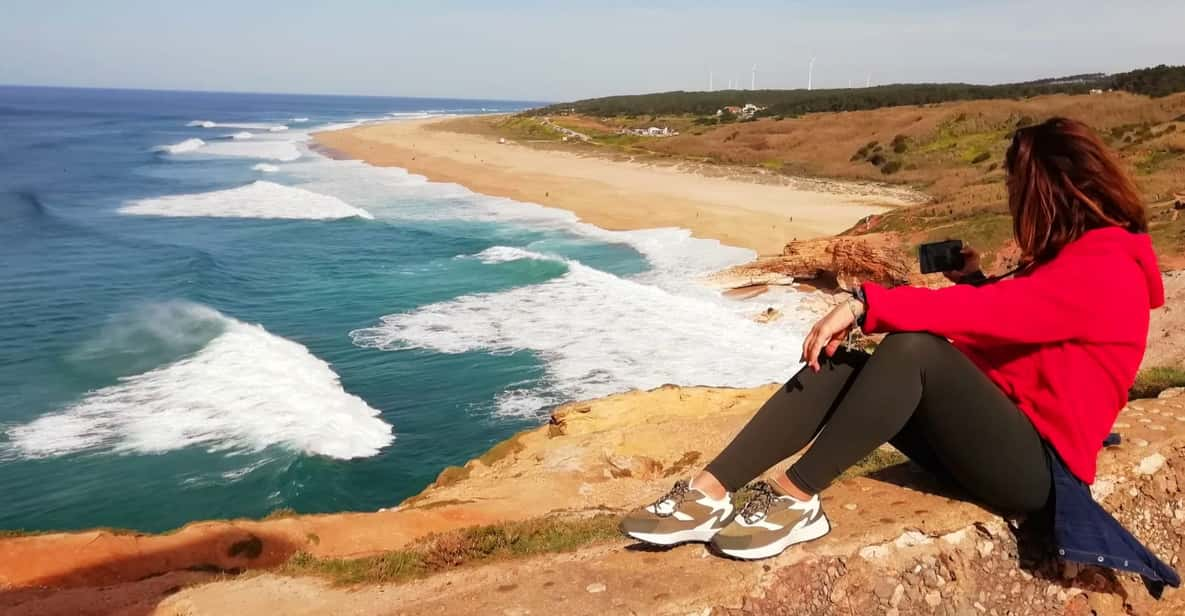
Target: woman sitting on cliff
x=973, y=380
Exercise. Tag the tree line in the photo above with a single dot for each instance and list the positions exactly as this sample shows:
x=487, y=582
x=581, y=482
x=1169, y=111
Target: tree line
x=1155, y=81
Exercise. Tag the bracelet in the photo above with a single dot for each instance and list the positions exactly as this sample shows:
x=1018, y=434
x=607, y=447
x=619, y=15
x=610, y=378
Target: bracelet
x=856, y=316
x=858, y=295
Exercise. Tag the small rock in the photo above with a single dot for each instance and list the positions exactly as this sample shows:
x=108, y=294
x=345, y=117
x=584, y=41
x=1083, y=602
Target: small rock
x=1151, y=464
x=515, y=611
x=595, y=587
x=898, y=593
x=979, y=606
x=851, y=506
x=985, y=548
x=884, y=588
x=1171, y=392
x=838, y=595
x=933, y=599
x=1139, y=442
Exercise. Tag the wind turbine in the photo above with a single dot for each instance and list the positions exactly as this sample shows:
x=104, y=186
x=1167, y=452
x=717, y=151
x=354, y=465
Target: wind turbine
x=711, y=87
x=810, y=74
x=753, y=83
x=868, y=84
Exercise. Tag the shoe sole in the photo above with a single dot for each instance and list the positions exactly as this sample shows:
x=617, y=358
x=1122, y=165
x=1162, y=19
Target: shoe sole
x=802, y=535
x=675, y=538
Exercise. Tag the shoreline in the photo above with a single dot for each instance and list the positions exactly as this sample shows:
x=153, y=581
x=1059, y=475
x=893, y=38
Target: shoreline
x=613, y=195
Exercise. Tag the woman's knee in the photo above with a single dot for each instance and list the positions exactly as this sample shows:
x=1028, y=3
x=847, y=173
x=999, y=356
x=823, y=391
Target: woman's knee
x=912, y=345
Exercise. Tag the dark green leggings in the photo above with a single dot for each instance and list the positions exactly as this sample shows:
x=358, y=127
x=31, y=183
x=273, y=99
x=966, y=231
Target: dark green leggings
x=918, y=393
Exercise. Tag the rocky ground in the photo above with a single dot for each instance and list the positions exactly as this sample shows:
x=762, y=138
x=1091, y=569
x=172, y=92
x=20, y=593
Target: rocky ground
x=901, y=544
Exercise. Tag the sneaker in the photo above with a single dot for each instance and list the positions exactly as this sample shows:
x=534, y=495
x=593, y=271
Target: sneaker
x=770, y=523
x=680, y=516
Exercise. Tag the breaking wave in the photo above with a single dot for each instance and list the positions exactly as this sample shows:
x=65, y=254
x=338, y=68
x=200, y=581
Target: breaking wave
x=189, y=145
x=260, y=199
x=598, y=334
x=244, y=389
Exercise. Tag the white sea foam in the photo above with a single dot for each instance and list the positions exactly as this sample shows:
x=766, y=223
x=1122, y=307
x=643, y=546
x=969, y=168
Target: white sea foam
x=298, y=120
x=241, y=135
x=244, y=125
x=265, y=168
x=277, y=129
x=260, y=199
x=245, y=390
x=393, y=192
x=271, y=149
x=505, y=254
x=598, y=334
x=189, y=145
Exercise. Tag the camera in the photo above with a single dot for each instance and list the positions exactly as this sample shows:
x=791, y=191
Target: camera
x=941, y=256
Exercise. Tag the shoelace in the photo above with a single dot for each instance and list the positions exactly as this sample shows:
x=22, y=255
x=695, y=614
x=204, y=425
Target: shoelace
x=757, y=506
x=676, y=495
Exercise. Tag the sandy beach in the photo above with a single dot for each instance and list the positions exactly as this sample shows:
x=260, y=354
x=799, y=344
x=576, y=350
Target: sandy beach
x=611, y=194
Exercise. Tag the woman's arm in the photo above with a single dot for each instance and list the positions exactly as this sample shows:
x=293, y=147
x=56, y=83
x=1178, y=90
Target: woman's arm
x=1055, y=303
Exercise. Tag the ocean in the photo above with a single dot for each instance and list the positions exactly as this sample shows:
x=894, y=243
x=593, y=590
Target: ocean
x=201, y=317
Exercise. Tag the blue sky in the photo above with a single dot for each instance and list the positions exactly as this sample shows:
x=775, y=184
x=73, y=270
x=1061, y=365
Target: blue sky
x=536, y=50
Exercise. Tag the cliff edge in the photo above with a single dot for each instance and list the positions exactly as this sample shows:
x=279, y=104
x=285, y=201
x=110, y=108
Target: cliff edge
x=901, y=544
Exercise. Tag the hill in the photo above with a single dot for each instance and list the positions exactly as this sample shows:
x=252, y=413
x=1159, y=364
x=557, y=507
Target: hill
x=1156, y=81
x=952, y=152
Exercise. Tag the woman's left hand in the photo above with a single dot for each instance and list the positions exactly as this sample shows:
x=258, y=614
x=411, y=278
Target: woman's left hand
x=828, y=334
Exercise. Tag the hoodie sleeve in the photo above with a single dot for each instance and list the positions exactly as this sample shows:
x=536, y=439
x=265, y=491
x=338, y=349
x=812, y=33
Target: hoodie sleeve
x=1075, y=299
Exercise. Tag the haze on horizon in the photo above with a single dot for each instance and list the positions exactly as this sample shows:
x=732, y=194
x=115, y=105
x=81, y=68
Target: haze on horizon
x=539, y=50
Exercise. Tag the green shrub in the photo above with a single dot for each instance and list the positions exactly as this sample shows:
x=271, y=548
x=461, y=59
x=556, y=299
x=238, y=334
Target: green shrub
x=1025, y=121
x=891, y=167
x=1151, y=381
x=876, y=160
x=981, y=157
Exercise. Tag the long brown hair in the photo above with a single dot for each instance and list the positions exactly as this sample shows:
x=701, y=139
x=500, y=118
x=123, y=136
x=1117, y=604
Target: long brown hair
x=1062, y=182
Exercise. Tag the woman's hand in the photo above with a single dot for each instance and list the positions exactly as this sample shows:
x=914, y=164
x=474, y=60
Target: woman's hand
x=830, y=332
x=970, y=265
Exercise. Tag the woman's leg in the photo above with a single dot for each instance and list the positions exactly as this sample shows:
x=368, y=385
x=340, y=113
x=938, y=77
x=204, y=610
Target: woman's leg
x=920, y=393
x=929, y=399
x=786, y=422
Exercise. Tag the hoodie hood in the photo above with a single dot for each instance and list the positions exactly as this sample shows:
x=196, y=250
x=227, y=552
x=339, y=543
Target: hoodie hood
x=1109, y=240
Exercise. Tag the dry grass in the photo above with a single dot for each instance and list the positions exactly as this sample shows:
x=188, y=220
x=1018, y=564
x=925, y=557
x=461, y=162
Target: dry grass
x=441, y=552
x=1151, y=381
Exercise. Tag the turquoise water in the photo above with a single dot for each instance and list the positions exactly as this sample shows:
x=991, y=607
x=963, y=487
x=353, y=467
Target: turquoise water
x=221, y=328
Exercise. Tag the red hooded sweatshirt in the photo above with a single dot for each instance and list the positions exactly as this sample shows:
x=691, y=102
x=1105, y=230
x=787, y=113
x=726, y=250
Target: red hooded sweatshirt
x=1063, y=341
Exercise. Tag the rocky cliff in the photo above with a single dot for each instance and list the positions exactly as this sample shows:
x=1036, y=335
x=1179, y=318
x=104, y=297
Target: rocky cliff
x=901, y=544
